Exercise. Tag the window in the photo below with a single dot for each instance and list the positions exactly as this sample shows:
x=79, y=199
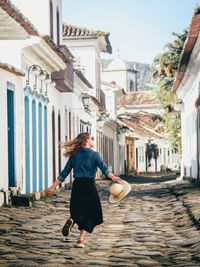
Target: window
x=142, y=154
x=66, y=126
x=164, y=156
x=51, y=18
x=81, y=127
x=77, y=125
x=58, y=26
x=131, y=86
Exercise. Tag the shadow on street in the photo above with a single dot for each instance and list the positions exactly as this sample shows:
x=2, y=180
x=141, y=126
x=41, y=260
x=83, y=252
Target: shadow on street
x=145, y=179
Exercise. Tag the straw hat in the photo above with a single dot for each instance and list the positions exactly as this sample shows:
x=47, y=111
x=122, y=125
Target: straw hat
x=119, y=191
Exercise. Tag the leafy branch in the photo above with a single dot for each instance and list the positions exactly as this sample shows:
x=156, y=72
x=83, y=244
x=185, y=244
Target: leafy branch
x=165, y=69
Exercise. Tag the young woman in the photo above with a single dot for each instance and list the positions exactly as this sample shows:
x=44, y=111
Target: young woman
x=85, y=206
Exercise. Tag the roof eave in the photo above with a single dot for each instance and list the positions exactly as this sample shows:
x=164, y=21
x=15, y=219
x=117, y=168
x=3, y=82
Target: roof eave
x=188, y=48
x=11, y=69
x=83, y=78
x=13, y=12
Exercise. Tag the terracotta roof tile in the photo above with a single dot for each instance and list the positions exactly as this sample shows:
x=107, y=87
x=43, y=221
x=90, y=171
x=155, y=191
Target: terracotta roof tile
x=142, y=125
x=56, y=48
x=11, y=69
x=72, y=31
x=13, y=12
x=188, y=47
x=138, y=98
x=83, y=78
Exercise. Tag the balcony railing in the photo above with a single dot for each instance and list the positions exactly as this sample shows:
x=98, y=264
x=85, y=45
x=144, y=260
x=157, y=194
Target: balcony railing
x=101, y=97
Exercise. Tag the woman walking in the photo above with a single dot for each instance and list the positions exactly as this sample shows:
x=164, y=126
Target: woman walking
x=85, y=206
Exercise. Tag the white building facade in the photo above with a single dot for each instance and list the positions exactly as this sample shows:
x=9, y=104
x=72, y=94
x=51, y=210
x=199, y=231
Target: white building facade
x=119, y=73
x=136, y=110
x=187, y=88
x=42, y=96
x=86, y=46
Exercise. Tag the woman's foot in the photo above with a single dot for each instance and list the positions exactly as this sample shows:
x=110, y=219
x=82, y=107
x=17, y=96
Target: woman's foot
x=67, y=227
x=80, y=244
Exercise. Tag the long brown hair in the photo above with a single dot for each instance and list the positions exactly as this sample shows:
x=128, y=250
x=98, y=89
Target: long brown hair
x=76, y=145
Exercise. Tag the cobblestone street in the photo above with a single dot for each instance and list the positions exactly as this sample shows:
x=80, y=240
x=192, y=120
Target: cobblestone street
x=155, y=225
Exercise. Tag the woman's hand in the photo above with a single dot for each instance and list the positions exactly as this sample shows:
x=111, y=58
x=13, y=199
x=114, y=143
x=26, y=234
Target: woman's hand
x=49, y=191
x=116, y=179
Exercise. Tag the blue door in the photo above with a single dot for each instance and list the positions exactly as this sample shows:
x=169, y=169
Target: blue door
x=45, y=148
x=34, y=150
x=27, y=144
x=40, y=146
x=11, y=140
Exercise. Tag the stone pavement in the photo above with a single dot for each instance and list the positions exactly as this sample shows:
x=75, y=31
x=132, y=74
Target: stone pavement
x=155, y=225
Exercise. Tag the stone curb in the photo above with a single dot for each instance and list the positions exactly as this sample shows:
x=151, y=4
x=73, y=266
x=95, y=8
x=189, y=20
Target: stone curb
x=27, y=200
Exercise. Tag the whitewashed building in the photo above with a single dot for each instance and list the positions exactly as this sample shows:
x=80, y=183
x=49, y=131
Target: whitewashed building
x=86, y=46
x=31, y=109
x=137, y=111
x=41, y=96
x=119, y=72
x=111, y=128
x=187, y=88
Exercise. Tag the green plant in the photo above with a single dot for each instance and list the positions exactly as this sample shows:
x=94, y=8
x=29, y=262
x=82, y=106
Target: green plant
x=168, y=170
x=133, y=170
x=152, y=151
x=165, y=69
x=163, y=168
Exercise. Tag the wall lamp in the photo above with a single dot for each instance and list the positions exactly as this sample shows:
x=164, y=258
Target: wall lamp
x=86, y=102
x=122, y=129
x=43, y=75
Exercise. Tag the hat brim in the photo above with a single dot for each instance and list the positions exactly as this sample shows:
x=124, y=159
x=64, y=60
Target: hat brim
x=125, y=191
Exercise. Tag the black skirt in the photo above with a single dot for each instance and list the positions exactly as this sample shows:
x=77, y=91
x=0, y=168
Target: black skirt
x=85, y=205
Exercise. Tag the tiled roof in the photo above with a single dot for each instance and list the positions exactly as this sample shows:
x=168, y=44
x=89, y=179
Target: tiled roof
x=83, y=78
x=188, y=47
x=98, y=104
x=11, y=69
x=142, y=125
x=72, y=31
x=114, y=85
x=56, y=49
x=13, y=12
x=138, y=98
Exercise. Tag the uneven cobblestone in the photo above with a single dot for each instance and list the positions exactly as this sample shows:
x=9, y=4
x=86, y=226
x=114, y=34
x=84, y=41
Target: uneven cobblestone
x=155, y=225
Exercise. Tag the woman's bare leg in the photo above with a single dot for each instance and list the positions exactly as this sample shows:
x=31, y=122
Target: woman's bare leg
x=82, y=235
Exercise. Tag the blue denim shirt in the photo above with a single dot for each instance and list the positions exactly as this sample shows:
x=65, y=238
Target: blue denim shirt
x=84, y=165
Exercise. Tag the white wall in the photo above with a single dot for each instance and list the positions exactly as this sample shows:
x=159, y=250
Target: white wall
x=117, y=76
x=85, y=52
x=188, y=91
x=18, y=120
x=166, y=157
x=38, y=13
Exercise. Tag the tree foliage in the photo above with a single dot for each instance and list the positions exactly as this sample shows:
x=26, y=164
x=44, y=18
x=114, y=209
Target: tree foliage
x=165, y=67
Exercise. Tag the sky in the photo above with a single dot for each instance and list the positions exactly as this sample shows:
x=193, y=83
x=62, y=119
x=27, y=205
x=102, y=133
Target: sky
x=139, y=29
